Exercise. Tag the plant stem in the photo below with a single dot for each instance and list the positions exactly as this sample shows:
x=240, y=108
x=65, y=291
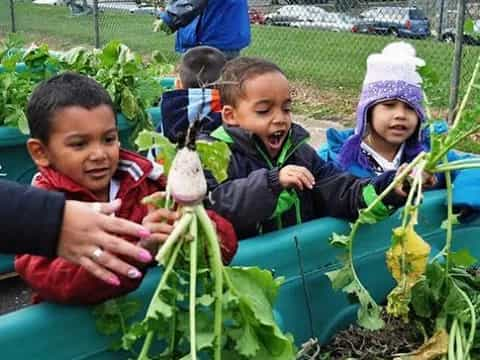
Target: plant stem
x=172, y=328
x=451, y=340
x=473, y=317
x=427, y=106
x=193, y=288
x=432, y=162
x=458, y=165
x=467, y=94
x=148, y=340
x=448, y=241
x=408, y=213
x=398, y=179
x=217, y=269
x=179, y=229
x=353, y=233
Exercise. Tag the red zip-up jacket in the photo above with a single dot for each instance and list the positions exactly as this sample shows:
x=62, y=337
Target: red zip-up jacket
x=61, y=281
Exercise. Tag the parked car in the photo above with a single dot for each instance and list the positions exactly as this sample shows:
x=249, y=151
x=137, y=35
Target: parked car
x=256, y=16
x=49, y=2
x=393, y=20
x=117, y=6
x=146, y=9
x=329, y=21
x=471, y=38
x=285, y=15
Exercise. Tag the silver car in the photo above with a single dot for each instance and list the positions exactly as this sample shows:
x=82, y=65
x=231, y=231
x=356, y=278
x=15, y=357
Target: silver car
x=329, y=21
x=285, y=15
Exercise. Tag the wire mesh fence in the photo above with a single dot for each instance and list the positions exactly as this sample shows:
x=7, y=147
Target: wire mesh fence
x=322, y=43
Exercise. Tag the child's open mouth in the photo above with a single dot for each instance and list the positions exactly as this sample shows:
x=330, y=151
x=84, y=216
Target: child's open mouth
x=275, y=140
x=399, y=129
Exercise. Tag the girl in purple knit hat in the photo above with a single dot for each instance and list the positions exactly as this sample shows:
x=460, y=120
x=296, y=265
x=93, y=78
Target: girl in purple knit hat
x=389, y=116
x=390, y=127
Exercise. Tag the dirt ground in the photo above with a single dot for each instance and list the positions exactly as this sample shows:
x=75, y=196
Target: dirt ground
x=15, y=294
x=316, y=128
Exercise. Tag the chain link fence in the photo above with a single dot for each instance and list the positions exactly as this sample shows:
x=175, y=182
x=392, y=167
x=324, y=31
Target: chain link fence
x=320, y=43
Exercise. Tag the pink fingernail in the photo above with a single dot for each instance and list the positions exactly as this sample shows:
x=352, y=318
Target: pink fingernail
x=113, y=280
x=134, y=273
x=144, y=233
x=145, y=256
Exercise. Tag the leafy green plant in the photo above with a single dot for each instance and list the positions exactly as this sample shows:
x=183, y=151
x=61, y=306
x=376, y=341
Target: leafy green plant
x=133, y=85
x=201, y=308
x=123, y=75
x=441, y=295
x=15, y=87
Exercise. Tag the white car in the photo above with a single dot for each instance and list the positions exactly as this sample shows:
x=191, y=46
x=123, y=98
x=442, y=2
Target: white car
x=49, y=2
x=146, y=9
x=329, y=21
x=117, y=6
x=294, y=13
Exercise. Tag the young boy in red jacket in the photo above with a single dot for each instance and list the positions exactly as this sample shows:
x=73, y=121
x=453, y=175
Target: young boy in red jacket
x=74, y=142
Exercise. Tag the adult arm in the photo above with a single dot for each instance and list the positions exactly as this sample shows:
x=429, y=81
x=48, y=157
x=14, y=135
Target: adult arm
x=42, y=223
x=31, y=219
x=181, y=12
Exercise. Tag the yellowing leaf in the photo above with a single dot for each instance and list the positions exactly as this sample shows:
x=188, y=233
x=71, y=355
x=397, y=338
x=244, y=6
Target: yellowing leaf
x=416, y=256
x=435, y=347
x=407, y=262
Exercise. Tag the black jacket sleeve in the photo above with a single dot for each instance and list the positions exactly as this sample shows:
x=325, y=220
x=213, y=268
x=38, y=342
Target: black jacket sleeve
x=180, y=13
x=31, y=219
x=340, y=194
x=236, y=199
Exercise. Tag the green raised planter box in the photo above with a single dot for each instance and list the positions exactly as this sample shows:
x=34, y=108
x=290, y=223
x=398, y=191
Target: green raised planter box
x=307, y=306
x=6, y=264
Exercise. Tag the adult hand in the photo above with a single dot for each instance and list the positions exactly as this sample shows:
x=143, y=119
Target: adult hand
x=87, y=238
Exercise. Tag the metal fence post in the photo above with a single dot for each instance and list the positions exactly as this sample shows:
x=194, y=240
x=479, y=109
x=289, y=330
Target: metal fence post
x=12, y=16
x=96, y=24
x=457, y=60
x=440, y=20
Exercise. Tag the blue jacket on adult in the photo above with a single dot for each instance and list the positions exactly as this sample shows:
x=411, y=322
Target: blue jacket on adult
x=254, y=201
x=223, y=24
x=466, y=190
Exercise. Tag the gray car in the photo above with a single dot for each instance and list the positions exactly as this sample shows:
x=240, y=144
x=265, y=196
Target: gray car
x=394, y=20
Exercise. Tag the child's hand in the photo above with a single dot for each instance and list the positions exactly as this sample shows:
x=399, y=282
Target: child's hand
x=402, y=189
x=296, y=176
x=160, y=223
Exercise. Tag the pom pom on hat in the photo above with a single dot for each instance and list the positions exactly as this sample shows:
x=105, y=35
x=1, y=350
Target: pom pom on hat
x=397, y=62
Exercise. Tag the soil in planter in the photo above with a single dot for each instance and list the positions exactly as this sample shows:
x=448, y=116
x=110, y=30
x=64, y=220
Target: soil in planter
x=359, y=343
x=14, y=294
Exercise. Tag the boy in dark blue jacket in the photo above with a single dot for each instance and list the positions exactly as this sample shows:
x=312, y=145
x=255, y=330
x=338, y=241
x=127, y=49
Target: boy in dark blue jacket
x=195, y=96
x=275, y=178
x=222, y=24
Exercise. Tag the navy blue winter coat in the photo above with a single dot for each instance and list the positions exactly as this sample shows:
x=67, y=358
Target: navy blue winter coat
x=255, y=202
x=223, y=24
